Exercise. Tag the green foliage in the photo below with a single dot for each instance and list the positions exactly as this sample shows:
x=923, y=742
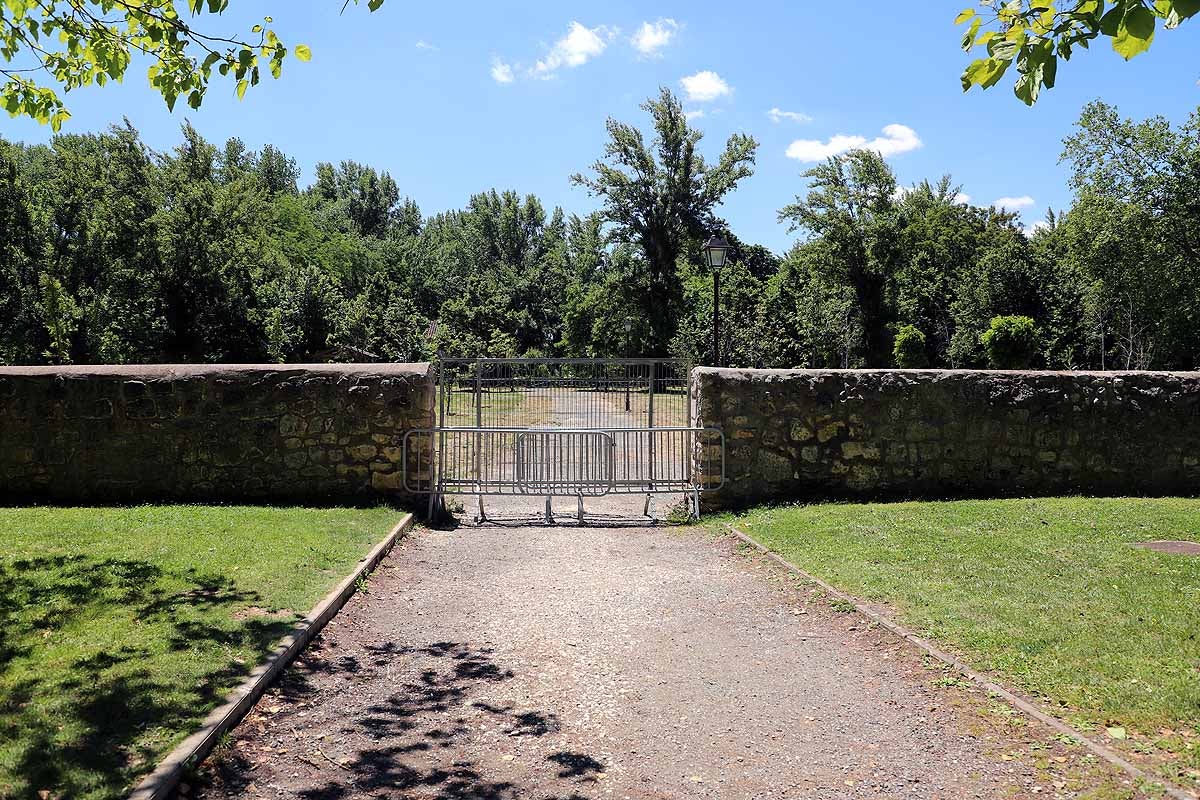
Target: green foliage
x=852, y=211
x=61, y=318
x=806, y=319
x=908, y=351
x=112, y=253
x=90, y=42
x=1010, y=342
x=662, y=197
x=1036, y=35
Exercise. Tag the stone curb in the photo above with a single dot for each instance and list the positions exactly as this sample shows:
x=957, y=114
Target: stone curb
x=1111, y=756
x=160, y=784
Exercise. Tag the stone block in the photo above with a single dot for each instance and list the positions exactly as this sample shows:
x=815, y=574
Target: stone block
x=363, y=452
x=384, y=482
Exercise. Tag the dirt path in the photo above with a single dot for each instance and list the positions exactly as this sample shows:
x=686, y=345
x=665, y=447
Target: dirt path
x=647, y=663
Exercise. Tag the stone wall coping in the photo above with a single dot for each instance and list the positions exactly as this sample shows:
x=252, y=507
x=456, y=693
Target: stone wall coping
x=158, y=372
x=732, y=373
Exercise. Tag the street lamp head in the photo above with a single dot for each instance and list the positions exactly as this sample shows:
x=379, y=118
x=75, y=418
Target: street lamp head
x=716, y=250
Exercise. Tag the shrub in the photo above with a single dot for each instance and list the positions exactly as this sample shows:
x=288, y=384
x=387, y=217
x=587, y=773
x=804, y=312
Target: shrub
x=909, y=349
x=1010, y=343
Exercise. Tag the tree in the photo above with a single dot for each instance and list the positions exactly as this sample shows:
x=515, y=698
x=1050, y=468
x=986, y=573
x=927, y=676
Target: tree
x=20, y=330
x=1035, y=35
x=217, y=254
x=909, y=348
x=1133, y=235
x=851, y=210
x=1010, y=342
x=370, y=199
x=61, y=317
x=85, y=42
x=741, y=292
x=806, y=318
x=662, y=197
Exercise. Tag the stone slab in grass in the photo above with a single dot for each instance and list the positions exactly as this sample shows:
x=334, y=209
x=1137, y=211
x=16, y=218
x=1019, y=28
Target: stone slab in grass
x=1172, y=547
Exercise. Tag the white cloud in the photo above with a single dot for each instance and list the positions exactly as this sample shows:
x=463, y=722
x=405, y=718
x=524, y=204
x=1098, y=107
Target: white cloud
x=691, y=115
x=778, y=115
x=704, y=87
x=896, y=139
x=1013, y=203
x=652, y=37
x=1035, y=227
x=579, y=46
x=963, y=199
x=424, y=45
x=502, y=72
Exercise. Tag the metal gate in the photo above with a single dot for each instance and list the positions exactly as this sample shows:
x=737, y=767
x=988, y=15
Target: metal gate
x=564, y=428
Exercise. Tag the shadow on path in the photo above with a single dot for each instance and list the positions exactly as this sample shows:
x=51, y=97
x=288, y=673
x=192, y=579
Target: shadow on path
x=419, y=740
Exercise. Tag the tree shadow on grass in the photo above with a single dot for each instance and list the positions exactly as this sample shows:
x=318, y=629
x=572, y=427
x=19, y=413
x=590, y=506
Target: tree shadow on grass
x=85, y=717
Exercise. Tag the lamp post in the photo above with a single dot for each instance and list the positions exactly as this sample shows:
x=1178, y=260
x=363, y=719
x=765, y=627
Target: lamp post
x=716, y=251
x=628, y=332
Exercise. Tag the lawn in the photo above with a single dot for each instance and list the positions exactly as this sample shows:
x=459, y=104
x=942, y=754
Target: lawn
x=120, y=629
x=1048, y=594
x=565, y=406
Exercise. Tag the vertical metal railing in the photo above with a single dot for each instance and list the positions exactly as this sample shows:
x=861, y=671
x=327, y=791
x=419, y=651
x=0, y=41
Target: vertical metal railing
x=645, y=403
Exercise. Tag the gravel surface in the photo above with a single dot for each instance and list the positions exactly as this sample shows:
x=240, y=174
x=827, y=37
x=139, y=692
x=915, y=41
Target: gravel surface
x=575, y=663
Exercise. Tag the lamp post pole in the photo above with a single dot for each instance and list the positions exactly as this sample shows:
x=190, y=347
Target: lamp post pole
x=628, y=331
x=716, y=318
x=716, y=250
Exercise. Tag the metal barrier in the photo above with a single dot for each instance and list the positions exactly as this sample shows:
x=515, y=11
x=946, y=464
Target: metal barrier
x=563, y=428
x=563, y=463
x=564, y=392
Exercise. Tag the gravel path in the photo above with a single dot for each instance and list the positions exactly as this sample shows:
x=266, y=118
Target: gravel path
x=576, y=663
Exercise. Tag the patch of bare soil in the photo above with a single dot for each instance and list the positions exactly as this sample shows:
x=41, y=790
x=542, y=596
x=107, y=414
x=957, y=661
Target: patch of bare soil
x=650, y=663
x=1172, y=547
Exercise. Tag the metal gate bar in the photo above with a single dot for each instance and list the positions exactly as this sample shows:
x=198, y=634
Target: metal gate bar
x=571, y=393
x=563, y=427
x=563, y=463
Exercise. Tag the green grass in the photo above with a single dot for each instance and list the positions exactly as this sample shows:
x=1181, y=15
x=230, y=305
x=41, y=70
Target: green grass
x=121, y=628
x=1047, y=593
x=558, y=405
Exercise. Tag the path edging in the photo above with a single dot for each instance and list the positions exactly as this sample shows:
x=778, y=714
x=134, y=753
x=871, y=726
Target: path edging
x=160, y=783
x=924, y=645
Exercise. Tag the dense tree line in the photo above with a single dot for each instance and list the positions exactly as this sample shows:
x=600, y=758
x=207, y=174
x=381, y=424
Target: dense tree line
x=110, y=252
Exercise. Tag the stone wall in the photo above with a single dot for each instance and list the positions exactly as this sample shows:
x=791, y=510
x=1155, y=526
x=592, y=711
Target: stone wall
x=815, y=434
x=321, y=433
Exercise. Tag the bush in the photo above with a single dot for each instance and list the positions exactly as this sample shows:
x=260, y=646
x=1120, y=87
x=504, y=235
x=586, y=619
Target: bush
x=1010, y=343
x=909, y=349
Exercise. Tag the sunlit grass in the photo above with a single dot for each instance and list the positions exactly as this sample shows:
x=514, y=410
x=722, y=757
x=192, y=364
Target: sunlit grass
x=1048, y=593
x=121, y=628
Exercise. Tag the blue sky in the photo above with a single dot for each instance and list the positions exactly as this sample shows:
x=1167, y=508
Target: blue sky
x=453, y=98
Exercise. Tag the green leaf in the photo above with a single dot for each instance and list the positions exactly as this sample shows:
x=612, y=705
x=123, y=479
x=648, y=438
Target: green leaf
x=1111, y=22
x=1135, y=32
x=1187, y=8
x=303, y=52
x=1050, y=71
x=964, y=15
x=968, y=40
x=984, y=72
x=242, y=86
x=1180, y=10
